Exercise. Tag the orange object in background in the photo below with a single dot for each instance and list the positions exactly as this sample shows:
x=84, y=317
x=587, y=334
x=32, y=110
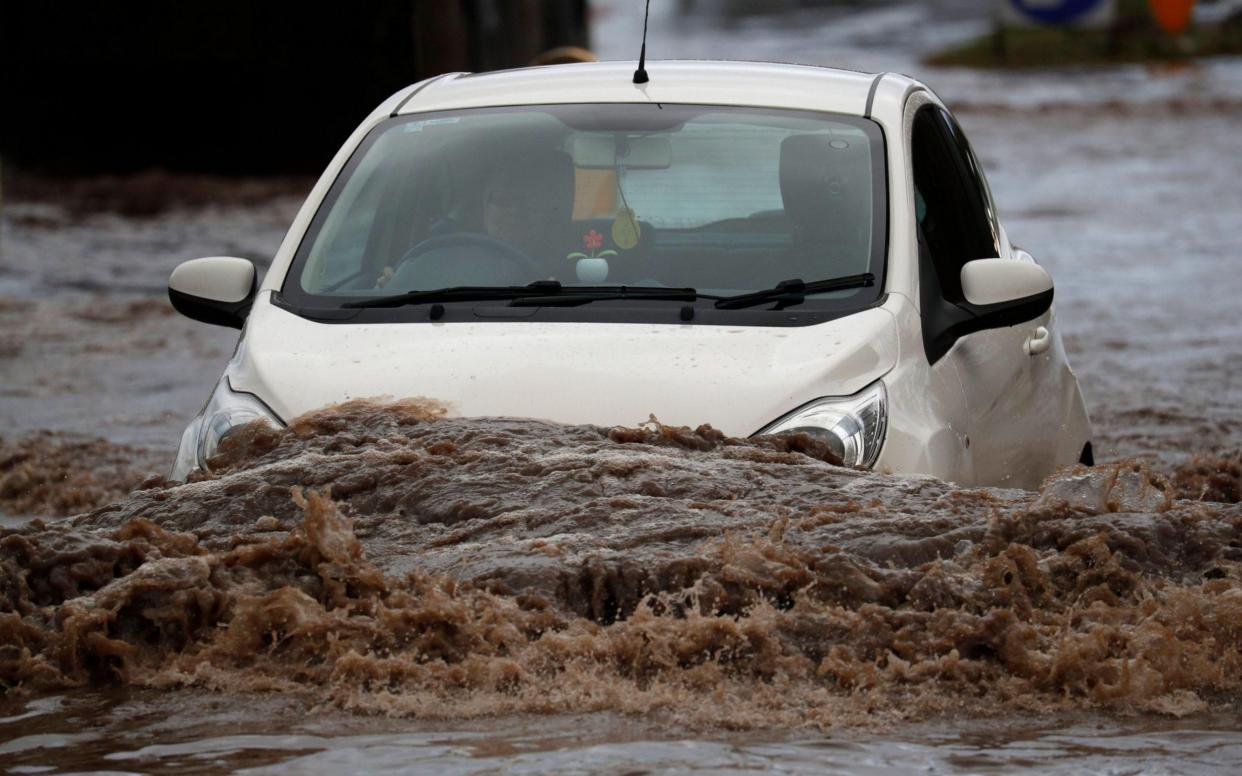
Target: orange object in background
x=595, y=193
x=1172, y=15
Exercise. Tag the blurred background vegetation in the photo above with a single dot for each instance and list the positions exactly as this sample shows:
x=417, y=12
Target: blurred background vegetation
x=236, y=86
x=1134, y=37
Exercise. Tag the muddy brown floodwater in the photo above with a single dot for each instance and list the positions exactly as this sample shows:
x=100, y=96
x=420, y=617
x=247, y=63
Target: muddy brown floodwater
x=384, y=559
x=380, y=589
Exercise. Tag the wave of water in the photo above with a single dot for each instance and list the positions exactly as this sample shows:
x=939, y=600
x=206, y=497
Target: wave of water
x=380, y=558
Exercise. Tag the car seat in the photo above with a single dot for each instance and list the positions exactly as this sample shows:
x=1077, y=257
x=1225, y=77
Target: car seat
x=826, y=187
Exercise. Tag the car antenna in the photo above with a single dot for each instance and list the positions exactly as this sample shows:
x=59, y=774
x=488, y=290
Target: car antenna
x=640, y=75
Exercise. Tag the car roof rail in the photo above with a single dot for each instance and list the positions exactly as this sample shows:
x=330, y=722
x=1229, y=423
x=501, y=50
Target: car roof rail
x=424, y=85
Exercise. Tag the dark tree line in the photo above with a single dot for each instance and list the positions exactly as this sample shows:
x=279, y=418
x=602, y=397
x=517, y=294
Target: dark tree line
x=234, y=86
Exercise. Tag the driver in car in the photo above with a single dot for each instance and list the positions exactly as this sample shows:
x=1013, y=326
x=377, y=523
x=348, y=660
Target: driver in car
x=528, y=203
x=527, y=212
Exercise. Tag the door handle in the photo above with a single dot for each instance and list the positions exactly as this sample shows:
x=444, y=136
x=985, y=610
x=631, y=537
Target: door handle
x=1039, y=342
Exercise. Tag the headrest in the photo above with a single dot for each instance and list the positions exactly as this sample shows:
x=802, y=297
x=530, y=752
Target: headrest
x=825, y=181
x=547, y=172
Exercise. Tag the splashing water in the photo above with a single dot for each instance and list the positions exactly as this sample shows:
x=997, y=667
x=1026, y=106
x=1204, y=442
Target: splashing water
x=466, y=568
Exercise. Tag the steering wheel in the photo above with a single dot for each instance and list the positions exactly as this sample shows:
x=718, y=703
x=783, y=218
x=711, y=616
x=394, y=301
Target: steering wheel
x=485, y=261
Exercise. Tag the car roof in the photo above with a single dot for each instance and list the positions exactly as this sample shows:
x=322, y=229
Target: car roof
x=754, y=84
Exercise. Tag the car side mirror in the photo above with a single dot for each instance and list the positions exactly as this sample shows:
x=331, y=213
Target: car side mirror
x=1005, y=292
x=998, y=292
x=218, y=290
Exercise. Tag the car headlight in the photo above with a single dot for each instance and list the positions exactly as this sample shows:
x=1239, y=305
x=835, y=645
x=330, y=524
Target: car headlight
x=853, y=427
x=225, y=412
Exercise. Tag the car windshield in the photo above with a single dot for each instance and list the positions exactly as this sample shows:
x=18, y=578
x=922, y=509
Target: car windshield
x=723, y=200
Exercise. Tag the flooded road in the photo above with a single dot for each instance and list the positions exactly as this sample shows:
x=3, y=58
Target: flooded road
x=483, y=569
x=154, y=732
x=511, y=596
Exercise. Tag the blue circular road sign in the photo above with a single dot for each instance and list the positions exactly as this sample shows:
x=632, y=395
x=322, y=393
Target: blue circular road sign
x=1056, y=11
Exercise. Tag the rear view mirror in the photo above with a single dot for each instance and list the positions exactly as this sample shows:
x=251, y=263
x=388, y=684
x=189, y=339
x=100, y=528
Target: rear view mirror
x=608, y=151
x=218, y=290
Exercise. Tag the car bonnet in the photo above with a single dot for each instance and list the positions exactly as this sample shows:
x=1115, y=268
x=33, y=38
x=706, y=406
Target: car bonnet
x=736, y=378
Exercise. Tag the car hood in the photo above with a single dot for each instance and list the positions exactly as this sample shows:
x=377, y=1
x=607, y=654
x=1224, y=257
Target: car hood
x=738, y=379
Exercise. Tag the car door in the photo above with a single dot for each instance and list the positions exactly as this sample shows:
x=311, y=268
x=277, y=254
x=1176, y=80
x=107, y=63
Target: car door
x=1011, y=392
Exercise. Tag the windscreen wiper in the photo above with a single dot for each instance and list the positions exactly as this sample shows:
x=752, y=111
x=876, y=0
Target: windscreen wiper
x=579, y=295
x=789, y=292
x=458, y=294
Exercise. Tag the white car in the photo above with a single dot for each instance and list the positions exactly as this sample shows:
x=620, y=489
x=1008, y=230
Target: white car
x=760, y=247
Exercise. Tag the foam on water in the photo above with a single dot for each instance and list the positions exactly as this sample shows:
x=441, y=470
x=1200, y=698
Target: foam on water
x=467, y=568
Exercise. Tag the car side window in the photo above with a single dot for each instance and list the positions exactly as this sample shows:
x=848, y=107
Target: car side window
x=976, y=180
x=956, y=224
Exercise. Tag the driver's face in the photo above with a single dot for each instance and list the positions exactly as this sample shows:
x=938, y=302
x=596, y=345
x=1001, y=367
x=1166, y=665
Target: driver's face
x=515, y=212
